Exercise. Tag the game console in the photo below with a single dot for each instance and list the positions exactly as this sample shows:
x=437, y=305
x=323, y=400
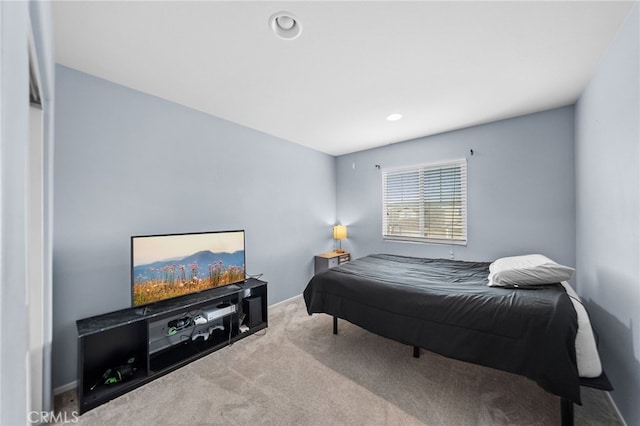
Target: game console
x=219, y=311
x=212, y=314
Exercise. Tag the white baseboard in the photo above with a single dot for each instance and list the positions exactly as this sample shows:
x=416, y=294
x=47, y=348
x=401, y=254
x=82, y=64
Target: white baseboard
x=65, y=388
x=615, y=407
x=286, y=300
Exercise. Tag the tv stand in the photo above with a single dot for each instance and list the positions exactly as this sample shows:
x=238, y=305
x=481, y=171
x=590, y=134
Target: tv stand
x=122, y=350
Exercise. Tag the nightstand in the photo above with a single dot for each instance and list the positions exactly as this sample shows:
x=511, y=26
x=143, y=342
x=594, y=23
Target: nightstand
x=329, y=260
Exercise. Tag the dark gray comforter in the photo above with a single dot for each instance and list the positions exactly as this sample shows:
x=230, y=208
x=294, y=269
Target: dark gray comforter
x=446, y=307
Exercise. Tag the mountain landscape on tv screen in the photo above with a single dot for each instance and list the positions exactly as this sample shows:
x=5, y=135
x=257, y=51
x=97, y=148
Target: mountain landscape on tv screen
x=196, y=265
x=199, y=271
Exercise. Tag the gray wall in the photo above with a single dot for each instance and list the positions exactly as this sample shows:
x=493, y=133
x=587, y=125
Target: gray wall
x=520, y=189
x=127, y=163
x=608, y=211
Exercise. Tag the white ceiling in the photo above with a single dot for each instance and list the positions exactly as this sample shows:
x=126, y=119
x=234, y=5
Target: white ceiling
x=443, y=65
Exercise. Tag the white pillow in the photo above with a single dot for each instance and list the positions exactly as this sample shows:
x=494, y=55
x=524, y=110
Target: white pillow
x=532, y=269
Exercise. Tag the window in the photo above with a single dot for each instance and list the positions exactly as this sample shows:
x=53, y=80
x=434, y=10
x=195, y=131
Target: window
x=426, y=203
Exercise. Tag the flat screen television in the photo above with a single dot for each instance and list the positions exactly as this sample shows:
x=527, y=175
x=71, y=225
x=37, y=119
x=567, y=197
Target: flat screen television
x=174, y=265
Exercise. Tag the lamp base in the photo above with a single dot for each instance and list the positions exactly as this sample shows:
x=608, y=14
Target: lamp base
x=340, y=251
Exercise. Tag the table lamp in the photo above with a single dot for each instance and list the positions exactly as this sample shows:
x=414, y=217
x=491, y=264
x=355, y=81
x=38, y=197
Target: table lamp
x=339, y=233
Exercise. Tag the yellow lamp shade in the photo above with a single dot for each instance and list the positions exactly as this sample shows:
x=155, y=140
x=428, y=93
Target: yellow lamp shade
x=339, y=232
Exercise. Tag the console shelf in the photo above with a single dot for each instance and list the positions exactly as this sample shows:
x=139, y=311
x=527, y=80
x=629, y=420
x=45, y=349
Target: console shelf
x=131, y=347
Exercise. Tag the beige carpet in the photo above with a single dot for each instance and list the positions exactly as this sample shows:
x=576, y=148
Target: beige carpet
x=299, y=373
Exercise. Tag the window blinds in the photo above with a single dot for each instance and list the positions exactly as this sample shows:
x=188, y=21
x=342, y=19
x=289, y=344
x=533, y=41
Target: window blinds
x=426, y=203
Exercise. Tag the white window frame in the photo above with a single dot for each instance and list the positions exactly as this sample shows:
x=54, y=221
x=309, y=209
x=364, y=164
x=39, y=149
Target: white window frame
x=406, y=187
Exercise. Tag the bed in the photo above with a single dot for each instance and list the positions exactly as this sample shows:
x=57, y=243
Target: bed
x=446, y=306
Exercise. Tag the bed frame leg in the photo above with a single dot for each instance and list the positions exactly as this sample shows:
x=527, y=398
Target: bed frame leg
x=416, y=352
x=566, y=412
x=335, y=325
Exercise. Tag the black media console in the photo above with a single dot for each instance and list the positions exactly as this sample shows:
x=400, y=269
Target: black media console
x=122, y=350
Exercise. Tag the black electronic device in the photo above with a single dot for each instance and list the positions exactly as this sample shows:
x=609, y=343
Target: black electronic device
x=174, y=265
x=252, y=308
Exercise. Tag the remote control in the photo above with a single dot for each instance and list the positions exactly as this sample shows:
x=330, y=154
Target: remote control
x=202, y=333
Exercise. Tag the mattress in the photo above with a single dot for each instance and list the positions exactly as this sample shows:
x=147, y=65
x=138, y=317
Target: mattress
x=587, y=357
x=445, y=306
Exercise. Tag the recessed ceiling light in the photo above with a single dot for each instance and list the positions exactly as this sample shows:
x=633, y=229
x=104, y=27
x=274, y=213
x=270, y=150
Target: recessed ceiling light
x=394, y=117
x=285, y=25
x=285, y=22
